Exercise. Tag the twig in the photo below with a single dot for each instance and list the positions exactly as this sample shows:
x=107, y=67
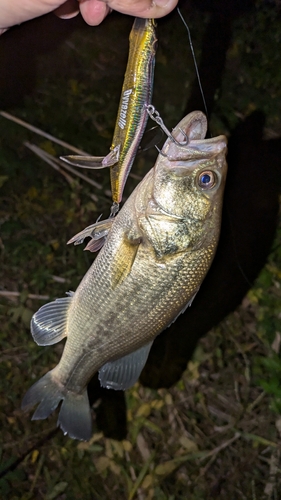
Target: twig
x=138, y=481
x=135, y=176
x=41, y=132
x=213, y=453
x=39, y=152
x=11, y=295
x=222, y=446
x=273, y=471
x=64, y=144
x=60, y=279
x=18, y=461
x=246, y=361
x=252, y=405
x=253, y=484
x=37, y=473
x=22, y=441
x=82, y=176
x=258, y=439
x=60, y=166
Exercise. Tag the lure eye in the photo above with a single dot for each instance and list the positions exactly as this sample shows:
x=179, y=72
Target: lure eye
x=207, y=179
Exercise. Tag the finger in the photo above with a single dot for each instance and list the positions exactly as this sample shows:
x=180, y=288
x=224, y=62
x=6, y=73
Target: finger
x=94, y=11
x=68, y=9
x=14, y=12
x=142, y=8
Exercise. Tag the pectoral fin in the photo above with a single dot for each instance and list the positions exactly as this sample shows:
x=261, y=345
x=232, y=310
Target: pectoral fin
x=95, y=245
x=124, y=260
x=124, y=372
x=48, y=324
x=98, y=232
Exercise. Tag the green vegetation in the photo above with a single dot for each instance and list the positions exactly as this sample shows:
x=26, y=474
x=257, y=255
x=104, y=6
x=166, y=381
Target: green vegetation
x=217, y=433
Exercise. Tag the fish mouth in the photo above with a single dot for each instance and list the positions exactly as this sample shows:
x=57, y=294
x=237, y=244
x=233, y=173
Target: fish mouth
x=193, y=128
x=194, y=151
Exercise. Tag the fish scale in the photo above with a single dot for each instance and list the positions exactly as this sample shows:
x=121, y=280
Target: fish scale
x=156, y=254
x=131, y=329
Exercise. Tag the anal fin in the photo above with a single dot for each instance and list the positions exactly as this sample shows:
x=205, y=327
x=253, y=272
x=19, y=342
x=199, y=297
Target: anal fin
x=124, y=372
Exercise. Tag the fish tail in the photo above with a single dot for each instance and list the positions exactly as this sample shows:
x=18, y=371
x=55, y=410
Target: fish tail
x=75, y=414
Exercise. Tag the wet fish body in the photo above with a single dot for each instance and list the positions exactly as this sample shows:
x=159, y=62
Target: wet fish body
x=156, y=254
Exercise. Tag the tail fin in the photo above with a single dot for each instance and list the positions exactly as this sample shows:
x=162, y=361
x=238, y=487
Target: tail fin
x=75, y=414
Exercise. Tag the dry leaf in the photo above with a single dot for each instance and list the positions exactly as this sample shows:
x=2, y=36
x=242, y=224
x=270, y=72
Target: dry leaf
x=157, y=404
x=102, y=463
x=188, y=444
x=168, y=399
x=166, y=468
x=117, y=448
x=116, y=469
x=126, y=445
x=34, y=456
x=276, y=343
x=147, y=482
x=144, y=410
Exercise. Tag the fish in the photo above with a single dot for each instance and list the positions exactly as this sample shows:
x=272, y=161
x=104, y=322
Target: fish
x=132, y=115
x=156, y=254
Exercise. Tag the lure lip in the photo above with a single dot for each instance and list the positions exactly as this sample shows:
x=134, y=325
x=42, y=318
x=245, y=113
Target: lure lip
x=80, y=161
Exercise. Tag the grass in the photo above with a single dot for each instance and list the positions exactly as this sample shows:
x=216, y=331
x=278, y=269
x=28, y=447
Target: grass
x=217, y=432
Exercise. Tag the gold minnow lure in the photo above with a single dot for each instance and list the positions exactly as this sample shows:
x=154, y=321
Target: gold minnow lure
x=157, y=252
x=132, y=115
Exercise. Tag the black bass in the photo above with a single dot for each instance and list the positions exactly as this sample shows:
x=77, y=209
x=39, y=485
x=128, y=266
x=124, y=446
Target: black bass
x=156, y=254
x=132, y=115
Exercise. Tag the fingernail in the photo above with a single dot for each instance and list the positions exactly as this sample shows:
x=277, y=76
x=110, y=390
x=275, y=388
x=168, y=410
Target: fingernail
x=67, y=10
x=161, y=3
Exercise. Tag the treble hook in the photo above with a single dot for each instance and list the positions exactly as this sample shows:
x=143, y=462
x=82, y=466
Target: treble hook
x=161, y=152
x=186, y=139
x=155, y=115
x=114, y=209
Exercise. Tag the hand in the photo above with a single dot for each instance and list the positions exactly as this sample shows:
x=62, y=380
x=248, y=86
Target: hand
x=93, y=11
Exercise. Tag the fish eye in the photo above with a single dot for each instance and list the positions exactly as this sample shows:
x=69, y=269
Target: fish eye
x=207, y=179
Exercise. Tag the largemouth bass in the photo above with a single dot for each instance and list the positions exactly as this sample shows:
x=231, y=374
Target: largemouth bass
x=132, y=116
x=156, y=254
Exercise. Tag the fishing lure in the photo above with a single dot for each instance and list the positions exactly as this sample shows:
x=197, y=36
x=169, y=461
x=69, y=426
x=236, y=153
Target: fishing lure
x=132, y=113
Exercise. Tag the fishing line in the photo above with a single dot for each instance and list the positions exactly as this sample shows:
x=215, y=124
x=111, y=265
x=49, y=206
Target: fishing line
x=13, y=465
x=194, y=60
x=232, y=233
